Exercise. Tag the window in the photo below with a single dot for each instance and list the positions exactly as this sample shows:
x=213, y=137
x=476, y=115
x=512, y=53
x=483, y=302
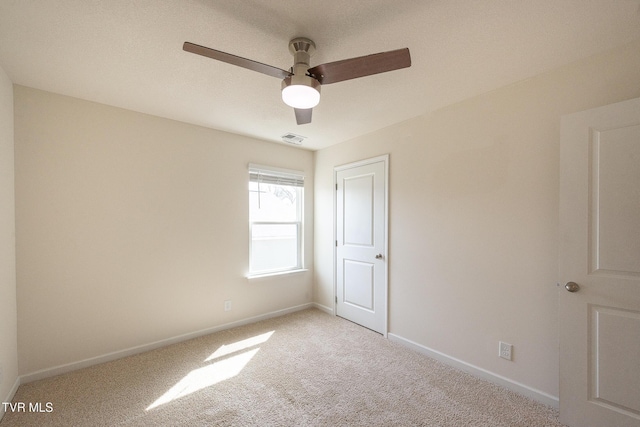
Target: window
x=275, y=220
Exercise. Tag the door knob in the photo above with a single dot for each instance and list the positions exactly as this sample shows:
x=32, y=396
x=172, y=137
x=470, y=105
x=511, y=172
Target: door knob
x=379, y=256
x=572, y=287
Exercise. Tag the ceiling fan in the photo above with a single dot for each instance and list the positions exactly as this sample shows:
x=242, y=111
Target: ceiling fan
x=301, y=84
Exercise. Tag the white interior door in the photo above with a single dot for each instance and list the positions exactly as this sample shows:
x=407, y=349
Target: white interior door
x=361, y=262
x=600, y=252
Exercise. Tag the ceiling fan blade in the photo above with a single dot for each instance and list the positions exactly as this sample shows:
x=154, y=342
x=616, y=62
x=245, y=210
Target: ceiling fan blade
x=236, y=60
x=362, y=66
x=303, y=115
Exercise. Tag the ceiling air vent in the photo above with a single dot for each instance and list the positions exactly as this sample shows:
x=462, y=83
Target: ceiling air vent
x=292, y=138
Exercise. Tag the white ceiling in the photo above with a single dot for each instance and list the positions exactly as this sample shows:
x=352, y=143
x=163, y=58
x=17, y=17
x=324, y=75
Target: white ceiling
x=128, y=53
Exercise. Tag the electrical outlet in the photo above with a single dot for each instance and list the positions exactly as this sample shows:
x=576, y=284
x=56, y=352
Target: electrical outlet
x=227, y=305
x=505, y=350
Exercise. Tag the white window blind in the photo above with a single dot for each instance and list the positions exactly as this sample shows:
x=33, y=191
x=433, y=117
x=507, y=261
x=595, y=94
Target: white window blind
x=269, y=175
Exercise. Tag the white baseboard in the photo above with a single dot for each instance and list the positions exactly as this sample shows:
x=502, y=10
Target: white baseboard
x=324, y=308
x=9, y=397
x=519, y=388
x=62, y=369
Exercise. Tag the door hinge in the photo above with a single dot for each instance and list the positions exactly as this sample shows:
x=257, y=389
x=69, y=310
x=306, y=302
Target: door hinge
x=336, y=243
x=336, y=186
x=336, y=299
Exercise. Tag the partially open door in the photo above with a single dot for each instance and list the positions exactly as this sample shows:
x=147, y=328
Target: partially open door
x=599, y=297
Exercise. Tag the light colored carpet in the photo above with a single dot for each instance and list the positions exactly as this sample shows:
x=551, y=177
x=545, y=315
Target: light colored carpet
x=303, y=369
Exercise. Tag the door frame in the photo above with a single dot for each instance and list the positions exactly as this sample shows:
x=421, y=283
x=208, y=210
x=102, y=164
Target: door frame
x=385, y=159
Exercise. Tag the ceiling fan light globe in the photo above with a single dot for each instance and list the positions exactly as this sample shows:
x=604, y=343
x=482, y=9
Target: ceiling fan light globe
x=300, y=96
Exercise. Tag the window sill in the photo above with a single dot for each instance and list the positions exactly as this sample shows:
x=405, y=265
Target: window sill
x=279, y=273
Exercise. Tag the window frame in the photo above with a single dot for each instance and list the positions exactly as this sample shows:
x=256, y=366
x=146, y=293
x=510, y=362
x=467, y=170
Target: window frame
x=288, y=176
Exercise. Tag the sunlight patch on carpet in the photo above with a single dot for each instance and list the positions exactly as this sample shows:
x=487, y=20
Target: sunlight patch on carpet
x=240, y=345
x=216, y=372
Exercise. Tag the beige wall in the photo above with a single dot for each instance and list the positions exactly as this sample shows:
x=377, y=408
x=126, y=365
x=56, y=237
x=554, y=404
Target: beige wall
x=133, y=229
x=474, y=217
x=8, y=338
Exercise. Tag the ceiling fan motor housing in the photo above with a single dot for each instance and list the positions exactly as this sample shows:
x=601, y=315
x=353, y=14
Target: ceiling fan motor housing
x=302, y=49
